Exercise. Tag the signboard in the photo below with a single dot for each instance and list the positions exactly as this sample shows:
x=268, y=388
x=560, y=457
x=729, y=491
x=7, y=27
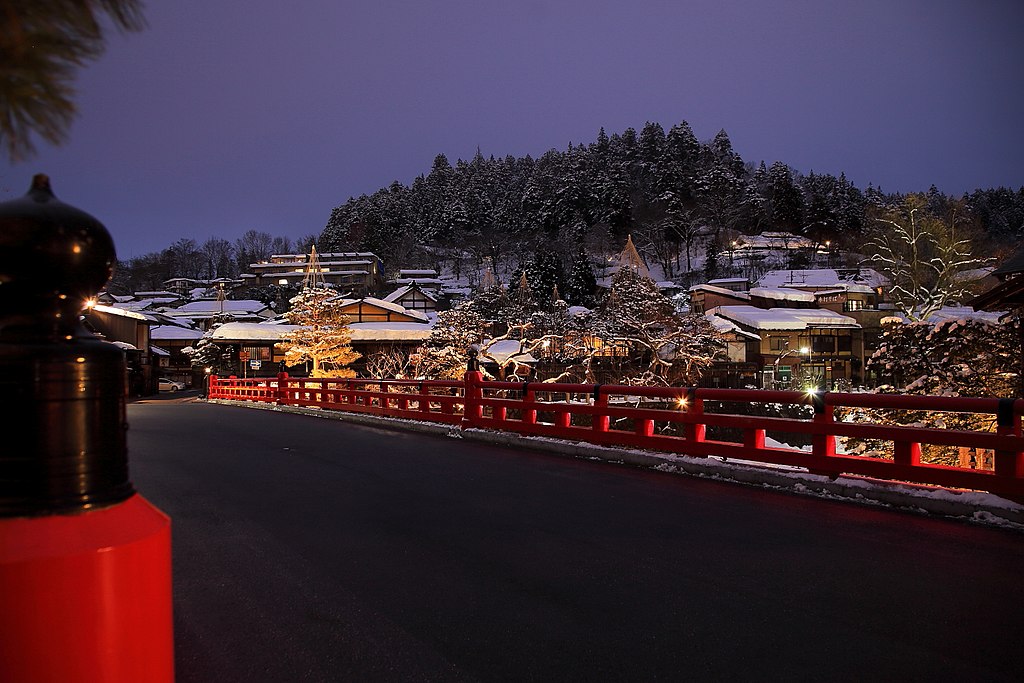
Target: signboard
x=255, y=364
x=243, y=356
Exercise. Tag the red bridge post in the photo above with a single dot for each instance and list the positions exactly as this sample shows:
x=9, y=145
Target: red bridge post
x=85, y=561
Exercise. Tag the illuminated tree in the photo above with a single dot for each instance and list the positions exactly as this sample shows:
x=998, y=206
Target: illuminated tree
x=444, y=354
x=322, y=337
x=923, y=256
x=664, y=347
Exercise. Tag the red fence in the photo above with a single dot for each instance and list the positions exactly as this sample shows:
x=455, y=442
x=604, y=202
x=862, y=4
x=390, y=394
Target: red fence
x=674, y=420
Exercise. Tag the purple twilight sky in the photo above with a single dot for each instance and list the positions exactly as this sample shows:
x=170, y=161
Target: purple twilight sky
x=229, y=115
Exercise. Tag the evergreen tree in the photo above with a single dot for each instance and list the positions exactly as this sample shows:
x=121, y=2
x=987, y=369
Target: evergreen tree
x=206, y=353
x=544, y=274
x=711, y=267
x=581, y=283
x=786, y=202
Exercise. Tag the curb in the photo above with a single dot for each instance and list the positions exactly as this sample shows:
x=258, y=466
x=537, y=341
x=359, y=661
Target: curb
x=964, y=506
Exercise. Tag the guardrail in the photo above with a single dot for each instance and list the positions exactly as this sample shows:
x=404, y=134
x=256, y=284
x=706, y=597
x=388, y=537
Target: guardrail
x=677, y=420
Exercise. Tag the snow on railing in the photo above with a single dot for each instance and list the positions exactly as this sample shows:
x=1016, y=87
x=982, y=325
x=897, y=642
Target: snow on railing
x=691, y=421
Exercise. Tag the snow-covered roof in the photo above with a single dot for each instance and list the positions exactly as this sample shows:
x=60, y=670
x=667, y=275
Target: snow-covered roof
x=158, y=351
x=174, y=332
x=783, y=318
x=360, y=332
x=965, y=313
x=781, y=294
x=417, y=273
x=368, y=332
x=721, y=290
x=388, y=306
x=143, y=304
x=501, y=351
x=723, y=325
x=402, y=291
x=727, y=280
x=328, y=254
x=774, y=240
x=214, y=306
x=845, y=289
x=250, y=332
x=418, y=281
x=118, y=311
x=821, y=277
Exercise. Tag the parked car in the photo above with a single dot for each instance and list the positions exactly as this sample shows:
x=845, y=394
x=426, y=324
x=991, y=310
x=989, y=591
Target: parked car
x=170, y=385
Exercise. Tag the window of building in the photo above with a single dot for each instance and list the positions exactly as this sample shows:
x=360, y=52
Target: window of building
x=779, y=343
x=854, y=305
x=823, y=344
x=844, y=344
x=257, y=352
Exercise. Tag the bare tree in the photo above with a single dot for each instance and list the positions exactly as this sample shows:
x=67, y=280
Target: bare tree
x=218, y=255
x=186, y=258
x=923, y=256
x=252, y=247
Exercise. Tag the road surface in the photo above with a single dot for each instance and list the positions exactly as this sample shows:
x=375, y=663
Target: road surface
x=308, y=549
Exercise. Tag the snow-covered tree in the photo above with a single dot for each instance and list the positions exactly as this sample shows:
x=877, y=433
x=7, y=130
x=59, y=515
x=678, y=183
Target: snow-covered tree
x=445, y=353
x=322, y=337
x=956, y=357
x=923, y=256
x=208, y=354
x=664, y=347
x=581, y=282
x=390, y=364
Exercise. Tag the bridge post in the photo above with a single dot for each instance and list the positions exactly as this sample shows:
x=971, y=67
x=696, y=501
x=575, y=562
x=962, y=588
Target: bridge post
x=600, y=421
x=1008, y=423
x=281, y=397
x=473, y=393
x=694, y=431
x=85, y=561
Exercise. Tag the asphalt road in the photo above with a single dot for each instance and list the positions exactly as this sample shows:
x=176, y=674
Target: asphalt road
x=316, y=550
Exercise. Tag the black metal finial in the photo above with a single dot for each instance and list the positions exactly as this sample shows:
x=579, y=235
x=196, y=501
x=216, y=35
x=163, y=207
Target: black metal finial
x=61, y=388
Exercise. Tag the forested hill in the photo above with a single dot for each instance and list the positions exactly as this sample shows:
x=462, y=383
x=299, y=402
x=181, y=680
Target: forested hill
x=674, y=194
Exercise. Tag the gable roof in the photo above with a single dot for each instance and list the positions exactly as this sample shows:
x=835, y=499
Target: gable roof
x=402, y=291
x=386, y=306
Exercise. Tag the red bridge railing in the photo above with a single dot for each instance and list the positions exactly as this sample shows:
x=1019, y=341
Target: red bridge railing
x=675, y=420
